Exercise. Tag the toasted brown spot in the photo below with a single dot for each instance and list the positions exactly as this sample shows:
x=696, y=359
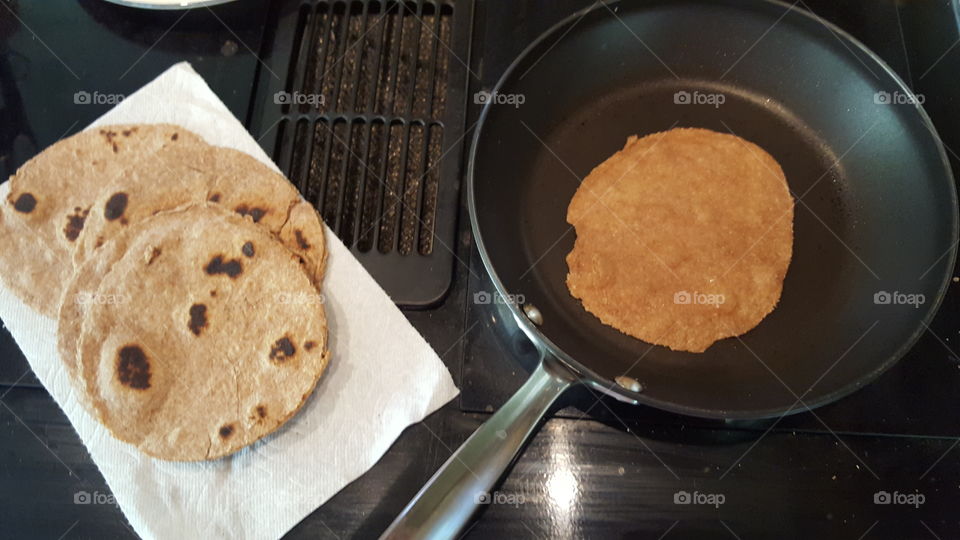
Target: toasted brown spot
x=262, y=411
x=116, y=206
x=198, y=318
x=309, y=345
x=215, y=197
x=254, y=212
x=115, y=148
x=174, y=137
x=282, y=349
x=301, y=241
x=25, y=203
x=133, y=368
x=218, y=265
x=248, y=249
x=127, y=132
x=226, y=430
x=213, y=294
x=99, y=241
x=153, y=255
x=75, y=224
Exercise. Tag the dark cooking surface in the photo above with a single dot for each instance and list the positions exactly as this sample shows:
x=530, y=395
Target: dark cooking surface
x=612, y=474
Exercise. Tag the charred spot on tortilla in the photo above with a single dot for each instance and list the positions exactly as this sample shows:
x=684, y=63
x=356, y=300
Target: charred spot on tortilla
x=282, y=350
x=115, y=206
x=309, y=345
x=255, y=213
x=226, y=431
x=174, y=137
x=248, y=249
x=25, y=203
x=214, y=198
x=133, y=368
x=301, y=241
x=75, y=224
x=154, y=253
x=198, y=318
x=262, y=411
x=218, y=265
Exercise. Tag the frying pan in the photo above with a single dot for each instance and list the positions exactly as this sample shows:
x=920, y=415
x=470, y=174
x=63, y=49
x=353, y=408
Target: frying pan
x=875, y=227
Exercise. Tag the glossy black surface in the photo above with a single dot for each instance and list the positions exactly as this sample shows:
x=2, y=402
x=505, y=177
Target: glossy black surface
x=598, y=469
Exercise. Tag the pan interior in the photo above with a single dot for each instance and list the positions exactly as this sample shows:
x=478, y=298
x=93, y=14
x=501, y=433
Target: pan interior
x=875, y=216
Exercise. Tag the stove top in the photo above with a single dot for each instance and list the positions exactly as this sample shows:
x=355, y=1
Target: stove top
x=101, y=47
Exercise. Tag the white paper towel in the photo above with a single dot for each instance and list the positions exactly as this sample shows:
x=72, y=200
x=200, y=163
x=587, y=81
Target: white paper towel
x=382, y=378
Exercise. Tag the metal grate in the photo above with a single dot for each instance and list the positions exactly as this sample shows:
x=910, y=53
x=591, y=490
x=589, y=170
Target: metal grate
x=363, y=105
x=374, y=180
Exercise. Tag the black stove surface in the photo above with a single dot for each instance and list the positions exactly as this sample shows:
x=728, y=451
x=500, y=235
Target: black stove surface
x=909, y=399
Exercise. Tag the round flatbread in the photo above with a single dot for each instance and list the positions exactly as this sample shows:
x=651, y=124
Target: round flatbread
x=80, y=192
x=51, y=195
x=683, y=238
x=205, y=173
x=207, y=351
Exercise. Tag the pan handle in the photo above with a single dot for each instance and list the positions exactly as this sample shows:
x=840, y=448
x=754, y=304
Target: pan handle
x=443, y=507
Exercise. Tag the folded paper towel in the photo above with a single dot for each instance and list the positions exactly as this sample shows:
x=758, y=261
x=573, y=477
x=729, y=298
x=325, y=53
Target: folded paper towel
x=382, y=378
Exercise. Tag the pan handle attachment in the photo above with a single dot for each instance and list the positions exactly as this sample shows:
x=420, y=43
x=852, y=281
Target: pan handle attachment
x=443, y=507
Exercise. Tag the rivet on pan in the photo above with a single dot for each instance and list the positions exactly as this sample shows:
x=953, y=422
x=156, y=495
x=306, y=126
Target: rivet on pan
x=629, y=383
x=533, y=314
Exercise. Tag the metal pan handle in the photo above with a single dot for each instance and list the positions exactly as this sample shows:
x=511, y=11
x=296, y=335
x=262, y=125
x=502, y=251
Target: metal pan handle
x=443, y=507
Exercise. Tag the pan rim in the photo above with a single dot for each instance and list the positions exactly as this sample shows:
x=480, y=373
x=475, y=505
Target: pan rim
x=588, y=376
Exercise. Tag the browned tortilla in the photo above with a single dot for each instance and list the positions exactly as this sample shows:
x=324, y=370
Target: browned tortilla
x=188, y=350
x=683, y=238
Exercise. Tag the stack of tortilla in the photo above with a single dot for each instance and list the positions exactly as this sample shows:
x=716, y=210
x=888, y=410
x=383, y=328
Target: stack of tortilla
x=185, y=279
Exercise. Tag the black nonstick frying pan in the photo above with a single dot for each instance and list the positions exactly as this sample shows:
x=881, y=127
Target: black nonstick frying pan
x=875, y=228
